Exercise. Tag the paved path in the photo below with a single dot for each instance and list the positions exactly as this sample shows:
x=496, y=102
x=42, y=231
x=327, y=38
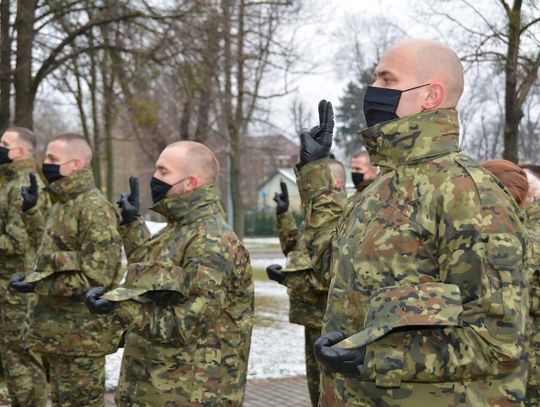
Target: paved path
x=289, y=392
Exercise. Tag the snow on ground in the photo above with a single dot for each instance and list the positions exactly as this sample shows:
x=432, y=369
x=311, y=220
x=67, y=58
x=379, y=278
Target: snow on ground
x=277, y=346
x=263, y=263
x=253, y=242
x=155, y=227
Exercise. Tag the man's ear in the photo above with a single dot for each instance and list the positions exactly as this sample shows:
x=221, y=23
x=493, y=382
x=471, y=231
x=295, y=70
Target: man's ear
x=78, y=163
x=435, y=97
x=23, y=151
x=192, y=184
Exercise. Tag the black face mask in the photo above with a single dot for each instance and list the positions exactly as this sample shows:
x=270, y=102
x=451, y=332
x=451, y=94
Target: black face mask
x=357, y=178
x=159, y=189
x=4, y=156
x=51, y=172
x=380, y=104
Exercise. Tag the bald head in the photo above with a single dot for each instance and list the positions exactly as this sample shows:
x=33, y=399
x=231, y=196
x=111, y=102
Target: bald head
x=338, y=171
x=187, y=165
x=414, y=63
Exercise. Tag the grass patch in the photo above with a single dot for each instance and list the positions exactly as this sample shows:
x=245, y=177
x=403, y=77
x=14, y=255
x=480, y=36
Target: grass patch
x=259, y=273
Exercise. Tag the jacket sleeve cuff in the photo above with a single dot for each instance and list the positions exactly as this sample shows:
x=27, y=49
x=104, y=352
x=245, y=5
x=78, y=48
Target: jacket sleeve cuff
x=314, y=179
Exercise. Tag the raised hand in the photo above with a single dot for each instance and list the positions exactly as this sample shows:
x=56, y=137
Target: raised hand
x=130, y=205
x=316, y=143
x=282, y=199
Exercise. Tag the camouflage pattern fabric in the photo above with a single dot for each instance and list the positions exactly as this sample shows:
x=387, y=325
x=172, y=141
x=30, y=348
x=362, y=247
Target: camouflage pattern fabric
x=188, y=306
x=533, y=229
x=433, y=216
x=80, y=248
x=313, y=368
x=23, y=369
x=307, y=295
x=77, y=381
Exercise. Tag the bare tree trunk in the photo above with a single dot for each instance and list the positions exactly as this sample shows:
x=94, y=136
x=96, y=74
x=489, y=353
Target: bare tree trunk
x=185, y=120
x=233, y=126
x=107, y=78
x=5, y=65
x=236, y=145
x=22, y=78
x=93, y=86
x=512, y=107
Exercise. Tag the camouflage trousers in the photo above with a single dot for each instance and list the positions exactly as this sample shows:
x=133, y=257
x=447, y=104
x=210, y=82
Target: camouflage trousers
x=313, y=371
x=77, y=381
x=23, y=370
x=533, y=384
x=146, y=382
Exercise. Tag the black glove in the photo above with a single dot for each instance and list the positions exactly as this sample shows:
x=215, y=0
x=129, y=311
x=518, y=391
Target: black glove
x=30, y=194
x=316, y=143
x=17, y=283
x=274, y=273
x=336, y=359
x=282, y=200
x=130, y=205
x=95, y=303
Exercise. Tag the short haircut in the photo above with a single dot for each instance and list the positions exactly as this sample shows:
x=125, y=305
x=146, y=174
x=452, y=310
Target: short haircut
x=24, y=134
x=78, y=146
x=511, y=176
x=200, y=160
x=361, y=153
x=338, y=171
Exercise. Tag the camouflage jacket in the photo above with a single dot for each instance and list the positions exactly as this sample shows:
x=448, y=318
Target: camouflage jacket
x=18, y=244
x=532, y=224
x=307, y=293
x=202, y=316
x=434, y=241
x=80, y=248
x=533, y=229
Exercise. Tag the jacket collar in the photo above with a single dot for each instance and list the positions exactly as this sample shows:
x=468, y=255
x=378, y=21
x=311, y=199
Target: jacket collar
x=17, y=167
x=73, y=185
x=413, y=138
x=194, y=205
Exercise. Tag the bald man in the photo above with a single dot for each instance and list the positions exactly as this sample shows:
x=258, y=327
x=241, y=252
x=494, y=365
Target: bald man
x=307, y=290
x=80, y=248
x=25, y=376
x=426, y=304
x=187, y=302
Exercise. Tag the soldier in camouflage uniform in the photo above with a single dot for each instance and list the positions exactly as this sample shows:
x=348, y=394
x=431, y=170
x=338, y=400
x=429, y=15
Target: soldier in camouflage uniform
x=426, y=304
x=187, y=301
x=307, y=291
x=25, y=376
x=532, y=223
x=362, y=172
x=516, y=182
x=80, y=248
